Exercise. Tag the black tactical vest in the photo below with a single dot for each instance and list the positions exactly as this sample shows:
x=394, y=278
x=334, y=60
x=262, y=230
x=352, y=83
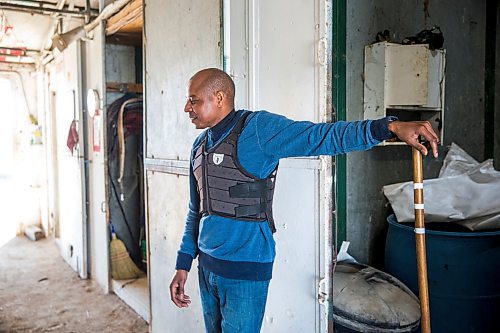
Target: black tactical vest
x=226, y=188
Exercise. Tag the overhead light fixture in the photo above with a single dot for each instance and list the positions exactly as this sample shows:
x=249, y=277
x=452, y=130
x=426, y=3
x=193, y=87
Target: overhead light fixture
x=61, y=41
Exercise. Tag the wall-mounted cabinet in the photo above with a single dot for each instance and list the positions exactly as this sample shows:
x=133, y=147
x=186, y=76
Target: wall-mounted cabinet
x=406, y=81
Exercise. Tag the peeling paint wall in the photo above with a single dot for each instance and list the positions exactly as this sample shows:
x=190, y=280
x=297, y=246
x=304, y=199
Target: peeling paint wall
x=463, y=26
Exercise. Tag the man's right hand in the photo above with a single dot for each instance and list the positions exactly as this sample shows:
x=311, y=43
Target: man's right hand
x=177, y=295
x=411, y=131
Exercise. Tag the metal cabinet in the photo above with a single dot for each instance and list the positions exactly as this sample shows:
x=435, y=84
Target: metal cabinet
x=406, y=81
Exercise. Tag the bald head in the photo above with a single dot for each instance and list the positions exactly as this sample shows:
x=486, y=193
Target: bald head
x=210, y=97
x=213, y=80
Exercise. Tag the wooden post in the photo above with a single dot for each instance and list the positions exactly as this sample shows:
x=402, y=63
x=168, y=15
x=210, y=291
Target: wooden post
x=418, y=194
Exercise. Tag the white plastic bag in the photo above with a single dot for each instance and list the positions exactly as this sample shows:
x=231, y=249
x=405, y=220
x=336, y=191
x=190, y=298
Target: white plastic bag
x=467, y=193
x=456, y=162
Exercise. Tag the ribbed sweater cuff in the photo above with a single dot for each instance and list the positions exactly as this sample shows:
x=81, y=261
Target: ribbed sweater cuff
x=380, y=128
x=184, y=261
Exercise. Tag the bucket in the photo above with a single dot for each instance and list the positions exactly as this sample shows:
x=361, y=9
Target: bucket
x=368, y=300
x=463, y=270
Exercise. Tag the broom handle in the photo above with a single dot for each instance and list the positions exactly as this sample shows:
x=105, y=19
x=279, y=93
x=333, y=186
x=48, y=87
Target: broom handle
x=418, y=185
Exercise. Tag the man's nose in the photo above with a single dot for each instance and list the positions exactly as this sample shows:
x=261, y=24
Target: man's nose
x=187, y=106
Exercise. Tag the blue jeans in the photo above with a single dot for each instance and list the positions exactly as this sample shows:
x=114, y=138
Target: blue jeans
x=231, y=305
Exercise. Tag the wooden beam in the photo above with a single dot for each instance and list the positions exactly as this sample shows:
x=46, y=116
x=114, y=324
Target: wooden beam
x=124, y=87
x=125, y=39
x=129, y=19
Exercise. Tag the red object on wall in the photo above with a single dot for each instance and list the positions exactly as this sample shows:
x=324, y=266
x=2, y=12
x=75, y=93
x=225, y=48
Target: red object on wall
x=96, y=132
x=72, y=136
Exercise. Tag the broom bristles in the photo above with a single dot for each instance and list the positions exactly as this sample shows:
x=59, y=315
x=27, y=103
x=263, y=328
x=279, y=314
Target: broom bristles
x=122, y=266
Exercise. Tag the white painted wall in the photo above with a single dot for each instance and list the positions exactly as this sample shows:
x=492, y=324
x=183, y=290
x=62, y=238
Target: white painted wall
x=93, y=69
x=65, y=87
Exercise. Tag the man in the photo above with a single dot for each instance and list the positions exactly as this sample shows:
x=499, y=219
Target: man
x=229, y=225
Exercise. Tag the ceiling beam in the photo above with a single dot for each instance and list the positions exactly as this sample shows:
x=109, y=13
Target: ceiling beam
x=44, y=10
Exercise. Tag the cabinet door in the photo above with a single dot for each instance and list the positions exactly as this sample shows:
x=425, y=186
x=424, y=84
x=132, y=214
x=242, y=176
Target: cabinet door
x=406, y=74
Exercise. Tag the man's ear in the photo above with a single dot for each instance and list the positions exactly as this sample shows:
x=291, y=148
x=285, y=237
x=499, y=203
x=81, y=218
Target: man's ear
x=219, y=97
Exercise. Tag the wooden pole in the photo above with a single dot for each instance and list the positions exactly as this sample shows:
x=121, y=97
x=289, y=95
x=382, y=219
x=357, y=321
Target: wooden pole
x=418, y=194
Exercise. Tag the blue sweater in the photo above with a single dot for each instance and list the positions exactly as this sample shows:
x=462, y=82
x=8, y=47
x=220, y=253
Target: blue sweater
x=246, y=250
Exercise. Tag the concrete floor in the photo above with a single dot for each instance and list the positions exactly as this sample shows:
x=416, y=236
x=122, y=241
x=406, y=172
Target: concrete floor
x=40, y=293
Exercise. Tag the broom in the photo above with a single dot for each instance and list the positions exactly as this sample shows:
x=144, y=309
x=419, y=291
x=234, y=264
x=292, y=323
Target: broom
x=122, y=267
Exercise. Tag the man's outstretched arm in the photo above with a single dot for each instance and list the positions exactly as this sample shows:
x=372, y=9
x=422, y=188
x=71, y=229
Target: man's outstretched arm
x=279, y=137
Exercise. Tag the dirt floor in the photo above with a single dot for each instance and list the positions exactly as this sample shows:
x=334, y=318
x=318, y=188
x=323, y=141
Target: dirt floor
x=39, y=292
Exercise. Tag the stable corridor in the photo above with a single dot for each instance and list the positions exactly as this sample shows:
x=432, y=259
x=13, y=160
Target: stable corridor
x=39, y=292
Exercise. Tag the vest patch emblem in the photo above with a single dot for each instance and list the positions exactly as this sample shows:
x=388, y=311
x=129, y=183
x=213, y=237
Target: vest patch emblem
x=218, y=158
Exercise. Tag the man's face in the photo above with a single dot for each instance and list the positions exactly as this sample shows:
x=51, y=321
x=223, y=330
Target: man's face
x=201, y=106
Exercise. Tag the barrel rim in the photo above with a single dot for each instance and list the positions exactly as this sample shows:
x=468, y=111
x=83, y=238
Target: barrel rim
x=391, y=219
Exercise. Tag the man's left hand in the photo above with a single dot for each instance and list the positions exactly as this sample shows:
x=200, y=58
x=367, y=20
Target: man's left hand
x=410, y=132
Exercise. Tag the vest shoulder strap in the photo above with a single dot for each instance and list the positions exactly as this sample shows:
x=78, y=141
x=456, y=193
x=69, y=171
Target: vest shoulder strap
x=238, y=128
